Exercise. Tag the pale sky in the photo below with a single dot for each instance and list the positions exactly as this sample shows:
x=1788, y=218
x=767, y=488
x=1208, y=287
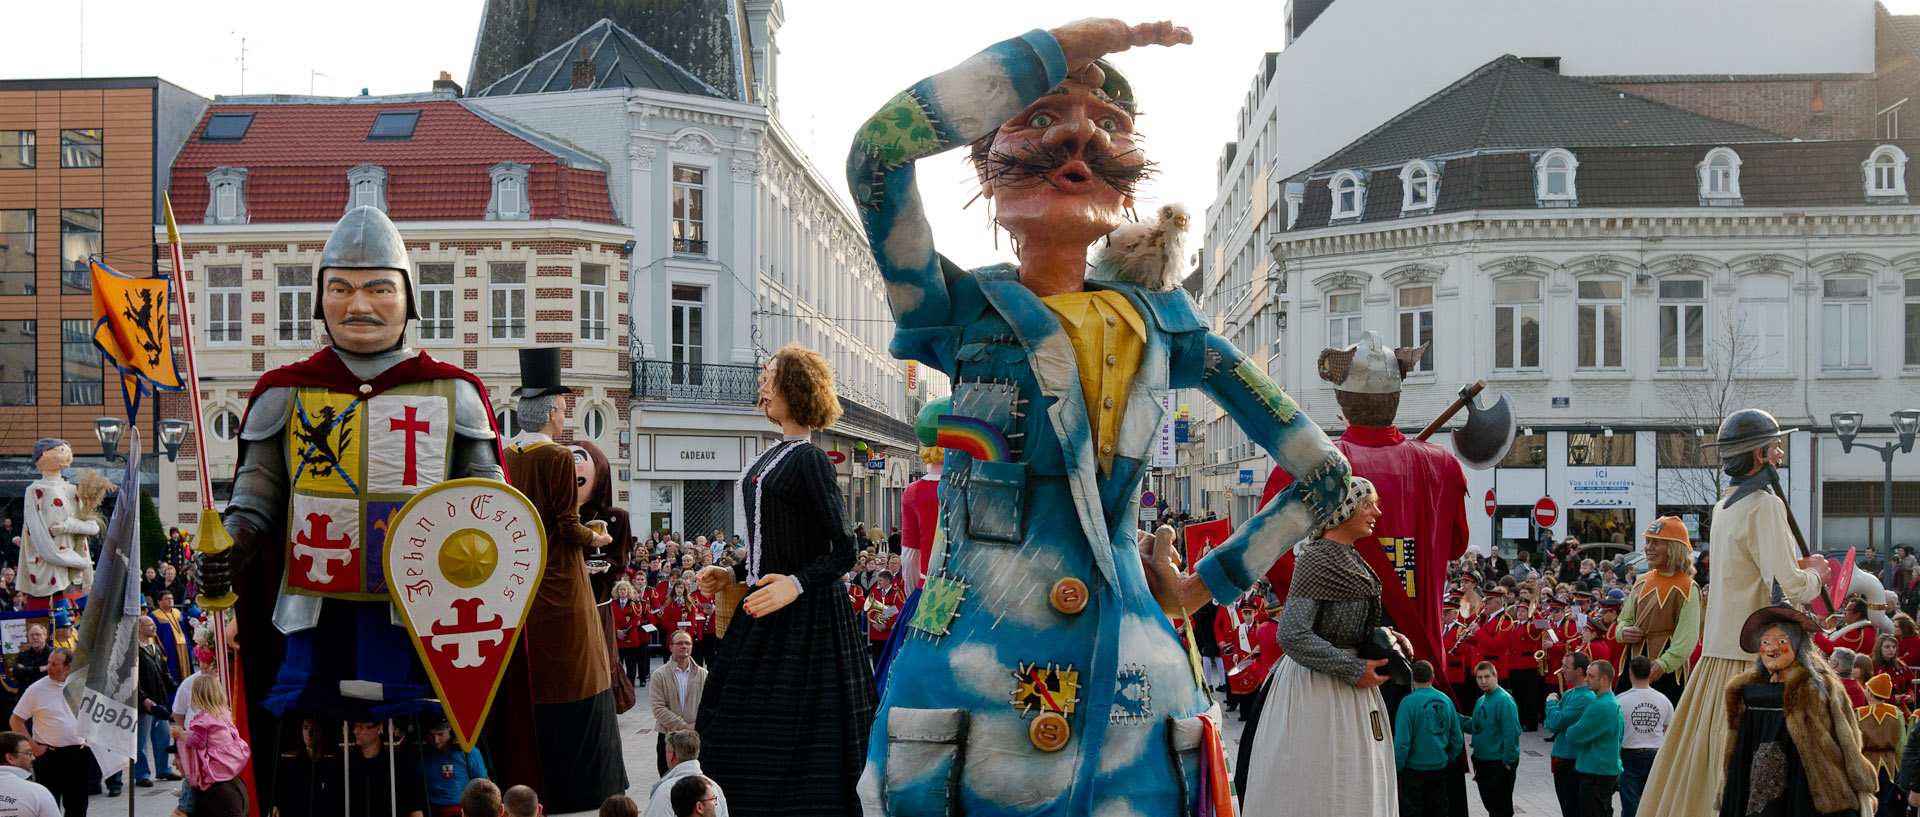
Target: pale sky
x=840, y=59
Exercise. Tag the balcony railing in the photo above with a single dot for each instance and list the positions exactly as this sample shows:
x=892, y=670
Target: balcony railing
x=696, y=382
x=692, y=246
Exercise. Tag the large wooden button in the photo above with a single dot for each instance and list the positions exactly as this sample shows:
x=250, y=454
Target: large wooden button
x=1049, y=731
x=1069, y=595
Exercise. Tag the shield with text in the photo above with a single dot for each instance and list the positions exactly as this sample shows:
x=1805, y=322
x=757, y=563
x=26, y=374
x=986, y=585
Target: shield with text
x=463, y=562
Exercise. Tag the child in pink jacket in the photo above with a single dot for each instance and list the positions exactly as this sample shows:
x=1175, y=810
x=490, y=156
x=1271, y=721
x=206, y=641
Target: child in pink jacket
x=212, y=753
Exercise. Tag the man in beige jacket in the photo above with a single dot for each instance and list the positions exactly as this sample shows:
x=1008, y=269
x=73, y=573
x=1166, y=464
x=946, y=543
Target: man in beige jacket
x=1753, y=548
x=674, y=690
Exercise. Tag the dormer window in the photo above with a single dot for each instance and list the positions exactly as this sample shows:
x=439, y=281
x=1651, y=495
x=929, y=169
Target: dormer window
x=1417, y=183
x=1553, y=176
x=367, y=187
x=1720, y=175
x=1886, y=172
x=1349, y=195
x=509, y=202
x=227, y=195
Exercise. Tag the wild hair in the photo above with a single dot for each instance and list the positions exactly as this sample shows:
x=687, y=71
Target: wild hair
x=534, y=413
x=1679, y=559
x=1807, y=656
x=805, y=380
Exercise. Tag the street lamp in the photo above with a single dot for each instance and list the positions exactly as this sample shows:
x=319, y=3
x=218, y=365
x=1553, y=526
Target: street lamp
x=172, y=434
x=108, y=430
x=1906, y=423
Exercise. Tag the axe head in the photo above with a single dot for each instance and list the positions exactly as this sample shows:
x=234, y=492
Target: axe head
x=1487, y=435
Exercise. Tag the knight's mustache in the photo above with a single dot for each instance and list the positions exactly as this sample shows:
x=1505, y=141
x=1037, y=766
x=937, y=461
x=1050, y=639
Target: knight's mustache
x=1035, y=166
x=366, y=319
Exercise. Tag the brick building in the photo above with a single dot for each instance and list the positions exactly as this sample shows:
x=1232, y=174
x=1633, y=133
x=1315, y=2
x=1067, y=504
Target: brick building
x=82, y=166
x=512, y=235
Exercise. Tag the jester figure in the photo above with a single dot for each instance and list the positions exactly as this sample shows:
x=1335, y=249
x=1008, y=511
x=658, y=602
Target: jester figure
x=1041, y=675
x=330, y=449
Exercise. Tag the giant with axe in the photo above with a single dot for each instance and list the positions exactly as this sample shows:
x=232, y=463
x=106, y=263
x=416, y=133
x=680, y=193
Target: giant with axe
x=1423, y=491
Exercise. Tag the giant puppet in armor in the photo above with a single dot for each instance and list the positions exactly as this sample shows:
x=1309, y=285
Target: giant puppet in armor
x=1041, y=675
x=1423, y=520
x=1754, y=551
x=330, y=449
x=573, y=700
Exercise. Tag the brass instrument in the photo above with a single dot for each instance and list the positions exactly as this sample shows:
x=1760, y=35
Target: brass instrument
x=876, y=612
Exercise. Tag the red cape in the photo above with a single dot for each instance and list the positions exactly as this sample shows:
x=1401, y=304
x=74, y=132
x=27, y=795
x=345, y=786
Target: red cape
x=1423, y=495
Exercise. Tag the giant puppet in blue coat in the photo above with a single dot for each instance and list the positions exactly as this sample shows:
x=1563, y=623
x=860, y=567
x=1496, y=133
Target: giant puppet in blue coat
x=1042, y=675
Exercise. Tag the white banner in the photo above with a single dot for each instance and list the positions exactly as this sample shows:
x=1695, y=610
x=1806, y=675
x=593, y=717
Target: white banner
x=1163, y=456
x=104, y=681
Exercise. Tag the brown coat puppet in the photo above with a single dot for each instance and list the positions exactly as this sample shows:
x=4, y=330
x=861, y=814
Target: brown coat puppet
x=574, y=707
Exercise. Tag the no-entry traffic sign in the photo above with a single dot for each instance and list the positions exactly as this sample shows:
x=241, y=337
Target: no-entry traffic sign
x=1545, y=513
x=1490, y=504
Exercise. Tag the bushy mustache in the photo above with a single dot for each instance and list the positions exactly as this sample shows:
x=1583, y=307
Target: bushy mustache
x=366, y=319
x=1035, y=166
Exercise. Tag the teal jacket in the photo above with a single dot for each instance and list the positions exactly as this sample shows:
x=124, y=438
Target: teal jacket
x=1495, y=727
x=1562, y=714
x=1426, y=733
x=1597, y=736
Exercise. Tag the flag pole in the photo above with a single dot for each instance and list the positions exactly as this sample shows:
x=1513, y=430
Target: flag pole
x=186, y=345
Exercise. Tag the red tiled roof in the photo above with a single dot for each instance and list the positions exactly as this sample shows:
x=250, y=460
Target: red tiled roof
x=297, y=157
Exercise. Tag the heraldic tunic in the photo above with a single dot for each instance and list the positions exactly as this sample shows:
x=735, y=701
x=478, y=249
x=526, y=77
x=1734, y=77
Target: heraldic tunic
x=580, y=758
x=790, y=697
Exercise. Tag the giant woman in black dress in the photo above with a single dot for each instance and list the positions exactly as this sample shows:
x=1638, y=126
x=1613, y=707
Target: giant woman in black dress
x=789, y=697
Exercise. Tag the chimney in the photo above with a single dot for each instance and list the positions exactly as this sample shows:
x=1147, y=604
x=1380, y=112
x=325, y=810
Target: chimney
x=583, y=70
x=445, y=87
x=764, y=18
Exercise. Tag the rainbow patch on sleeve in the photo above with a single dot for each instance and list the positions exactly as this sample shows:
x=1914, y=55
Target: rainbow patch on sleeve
x=978, y=438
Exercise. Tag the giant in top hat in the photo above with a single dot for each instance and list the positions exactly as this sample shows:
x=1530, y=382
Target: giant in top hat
x=540, y=373
x=365, y=238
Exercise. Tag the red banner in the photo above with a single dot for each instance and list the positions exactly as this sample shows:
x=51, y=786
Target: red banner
x=1205, y=536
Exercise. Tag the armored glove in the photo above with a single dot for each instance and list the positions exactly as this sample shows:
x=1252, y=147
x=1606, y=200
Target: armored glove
x=213, y=573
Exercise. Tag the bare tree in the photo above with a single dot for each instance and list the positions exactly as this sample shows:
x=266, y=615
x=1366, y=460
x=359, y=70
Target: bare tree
x=1731, y=356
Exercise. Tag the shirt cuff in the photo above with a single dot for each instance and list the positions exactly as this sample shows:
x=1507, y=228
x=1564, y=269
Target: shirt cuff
x=1214, y=574
x=798, y=588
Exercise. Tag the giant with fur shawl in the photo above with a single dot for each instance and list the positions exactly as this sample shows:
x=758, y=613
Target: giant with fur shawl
x=1825, y=731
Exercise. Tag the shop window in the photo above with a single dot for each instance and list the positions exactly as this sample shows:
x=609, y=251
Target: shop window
x=1599, y=449
x=1685, y=449
x=1528, y=451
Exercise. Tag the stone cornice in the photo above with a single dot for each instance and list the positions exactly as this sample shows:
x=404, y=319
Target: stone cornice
x=1597, y=223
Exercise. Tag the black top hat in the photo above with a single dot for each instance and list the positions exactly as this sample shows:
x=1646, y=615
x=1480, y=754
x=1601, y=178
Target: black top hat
x=540, y=373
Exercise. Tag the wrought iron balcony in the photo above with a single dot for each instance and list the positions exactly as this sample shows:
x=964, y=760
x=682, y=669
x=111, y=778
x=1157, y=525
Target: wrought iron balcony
x=713, y=383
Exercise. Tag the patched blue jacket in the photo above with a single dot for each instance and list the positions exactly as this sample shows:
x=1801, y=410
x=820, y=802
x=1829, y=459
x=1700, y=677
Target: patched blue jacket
x=1059, y=687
